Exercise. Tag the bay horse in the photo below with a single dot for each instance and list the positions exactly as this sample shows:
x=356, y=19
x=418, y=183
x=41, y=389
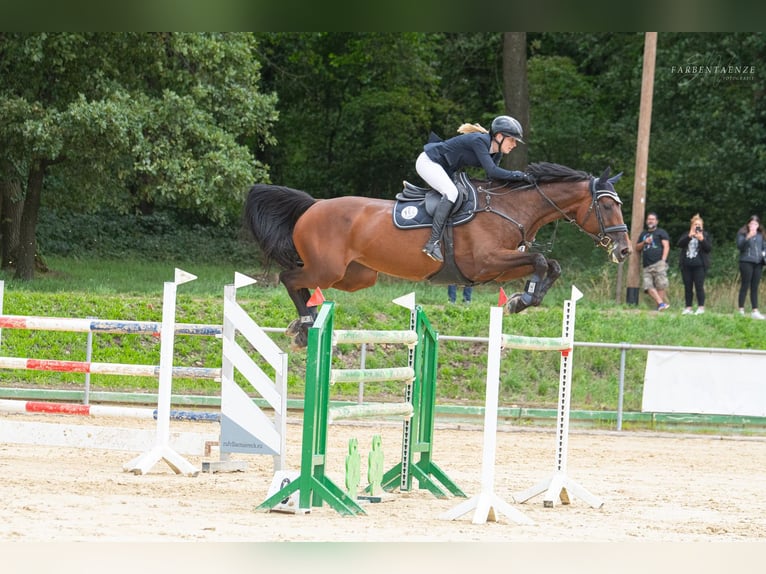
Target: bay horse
x=344, y=242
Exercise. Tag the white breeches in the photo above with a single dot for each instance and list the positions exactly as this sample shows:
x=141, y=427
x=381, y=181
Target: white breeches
x=435, y=176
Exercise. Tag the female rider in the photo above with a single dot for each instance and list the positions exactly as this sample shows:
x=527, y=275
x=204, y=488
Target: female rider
x=475, y=147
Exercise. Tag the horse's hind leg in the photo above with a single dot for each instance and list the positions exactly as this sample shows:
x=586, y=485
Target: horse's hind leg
x=298, y=329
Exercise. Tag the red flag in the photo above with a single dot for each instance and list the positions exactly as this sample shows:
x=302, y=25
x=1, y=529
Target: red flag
x=316, y=298
x=502, y=299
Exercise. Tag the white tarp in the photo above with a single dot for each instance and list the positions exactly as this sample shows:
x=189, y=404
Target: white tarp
x=705, y=383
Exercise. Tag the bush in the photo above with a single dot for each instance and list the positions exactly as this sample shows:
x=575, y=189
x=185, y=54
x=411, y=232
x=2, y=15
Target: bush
x=163, y=236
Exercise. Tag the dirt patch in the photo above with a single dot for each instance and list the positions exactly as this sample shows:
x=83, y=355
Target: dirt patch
x=655, y=488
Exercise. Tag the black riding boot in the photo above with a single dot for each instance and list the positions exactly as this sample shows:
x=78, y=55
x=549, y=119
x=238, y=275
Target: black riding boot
x=431, y=248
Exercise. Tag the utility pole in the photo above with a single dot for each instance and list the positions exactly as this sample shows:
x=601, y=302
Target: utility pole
x=642, y=159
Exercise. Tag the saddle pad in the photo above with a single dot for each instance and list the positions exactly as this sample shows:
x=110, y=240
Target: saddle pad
x=413, y=214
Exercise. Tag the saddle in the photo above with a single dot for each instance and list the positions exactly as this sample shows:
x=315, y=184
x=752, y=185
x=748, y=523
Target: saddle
x=415, y=205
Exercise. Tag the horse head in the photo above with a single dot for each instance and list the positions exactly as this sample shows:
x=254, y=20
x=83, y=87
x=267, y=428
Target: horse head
x=613, y=233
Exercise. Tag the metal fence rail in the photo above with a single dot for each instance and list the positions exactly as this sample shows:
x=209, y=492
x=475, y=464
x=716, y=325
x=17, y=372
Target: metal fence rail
x=624, y=348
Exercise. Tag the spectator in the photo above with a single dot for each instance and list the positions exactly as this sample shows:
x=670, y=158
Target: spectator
x=694, y=261
x=751, y=242
x=452, y=293
x=654, y=245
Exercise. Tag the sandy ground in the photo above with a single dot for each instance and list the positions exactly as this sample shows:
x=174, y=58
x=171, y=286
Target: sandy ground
x=665, y=499
x=654, y=488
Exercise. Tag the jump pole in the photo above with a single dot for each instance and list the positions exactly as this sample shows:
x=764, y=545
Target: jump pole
x=559, y=484
x=162, y=449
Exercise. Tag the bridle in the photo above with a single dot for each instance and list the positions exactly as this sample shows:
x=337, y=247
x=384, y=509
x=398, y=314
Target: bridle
x=601, y=239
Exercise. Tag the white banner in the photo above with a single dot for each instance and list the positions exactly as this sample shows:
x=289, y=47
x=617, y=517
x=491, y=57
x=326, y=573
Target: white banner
x=705, y=383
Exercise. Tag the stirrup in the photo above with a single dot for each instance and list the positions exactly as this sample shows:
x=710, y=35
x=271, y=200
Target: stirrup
x=433, y=251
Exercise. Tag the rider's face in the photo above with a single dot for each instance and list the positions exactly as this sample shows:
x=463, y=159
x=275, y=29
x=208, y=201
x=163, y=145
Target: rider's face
x=508, y=144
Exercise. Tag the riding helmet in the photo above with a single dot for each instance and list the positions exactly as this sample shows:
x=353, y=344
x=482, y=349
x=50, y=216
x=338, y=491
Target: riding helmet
x=508, y=126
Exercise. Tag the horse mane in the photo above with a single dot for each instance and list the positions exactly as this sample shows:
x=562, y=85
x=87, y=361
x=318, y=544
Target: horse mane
x=545, y=171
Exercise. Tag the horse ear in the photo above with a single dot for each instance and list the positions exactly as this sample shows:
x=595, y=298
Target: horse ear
x=615, y=178
x=605, y=174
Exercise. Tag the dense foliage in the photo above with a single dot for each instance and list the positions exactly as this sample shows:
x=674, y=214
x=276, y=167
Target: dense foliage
x=128, y=121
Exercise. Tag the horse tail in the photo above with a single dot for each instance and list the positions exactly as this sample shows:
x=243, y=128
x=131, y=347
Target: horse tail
x=271, y=212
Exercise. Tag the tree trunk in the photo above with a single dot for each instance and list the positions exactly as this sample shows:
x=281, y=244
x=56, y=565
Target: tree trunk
x=10, y=220
x=516, y=92
x=25, y=262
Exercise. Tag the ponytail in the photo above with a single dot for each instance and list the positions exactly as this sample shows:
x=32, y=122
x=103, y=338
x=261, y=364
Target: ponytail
x=471, y=128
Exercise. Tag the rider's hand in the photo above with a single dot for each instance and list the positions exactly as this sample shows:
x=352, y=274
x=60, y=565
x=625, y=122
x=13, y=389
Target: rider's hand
x=521, y=176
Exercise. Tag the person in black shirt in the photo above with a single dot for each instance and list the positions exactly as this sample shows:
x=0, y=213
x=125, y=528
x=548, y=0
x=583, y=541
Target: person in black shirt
x=439, y=161
x=694, y=261
x=654, y=245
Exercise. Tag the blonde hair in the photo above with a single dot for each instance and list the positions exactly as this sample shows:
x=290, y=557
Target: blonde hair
x=472, y=128
x=697, y=217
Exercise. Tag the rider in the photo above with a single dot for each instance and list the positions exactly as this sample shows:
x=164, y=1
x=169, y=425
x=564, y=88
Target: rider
x=476, y=148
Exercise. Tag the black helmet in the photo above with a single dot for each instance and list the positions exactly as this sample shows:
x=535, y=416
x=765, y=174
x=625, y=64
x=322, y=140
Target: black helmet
x=508, y=126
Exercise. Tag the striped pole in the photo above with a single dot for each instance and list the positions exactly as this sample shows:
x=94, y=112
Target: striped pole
x=106, y=368
x=45, y=407
x=75, y=325
x=368, y=410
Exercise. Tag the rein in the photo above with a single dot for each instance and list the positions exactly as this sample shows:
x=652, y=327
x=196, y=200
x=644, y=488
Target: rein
x=488, y=193
x=601, y=239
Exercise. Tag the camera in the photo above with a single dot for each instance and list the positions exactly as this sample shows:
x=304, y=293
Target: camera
x=697, y=229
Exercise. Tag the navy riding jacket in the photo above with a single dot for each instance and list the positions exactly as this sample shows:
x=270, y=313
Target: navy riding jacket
x=469, y=150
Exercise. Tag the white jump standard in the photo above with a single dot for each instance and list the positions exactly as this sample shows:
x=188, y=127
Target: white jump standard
x=162, y=449
x=559, y=484
x=487, y=504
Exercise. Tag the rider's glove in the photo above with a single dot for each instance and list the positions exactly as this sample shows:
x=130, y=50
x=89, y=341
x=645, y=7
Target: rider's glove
x=521, y=176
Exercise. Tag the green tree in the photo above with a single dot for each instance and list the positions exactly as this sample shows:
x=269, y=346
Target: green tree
x=516, y=89
x=708, y=151
x=355, y=108
x=130, y=121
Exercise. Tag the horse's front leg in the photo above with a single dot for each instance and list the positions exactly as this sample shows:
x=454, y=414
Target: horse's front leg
x=543, y=276
x=554, y=272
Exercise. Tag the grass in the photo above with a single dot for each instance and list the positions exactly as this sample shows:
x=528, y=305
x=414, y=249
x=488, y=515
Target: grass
x=132, y=290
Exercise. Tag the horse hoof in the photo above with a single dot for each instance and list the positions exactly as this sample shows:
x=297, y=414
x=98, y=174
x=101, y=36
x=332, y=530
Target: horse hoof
x=296, y=347
x=293, y=328
x=299, y=335
x=301, y=340
x=515, y=304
